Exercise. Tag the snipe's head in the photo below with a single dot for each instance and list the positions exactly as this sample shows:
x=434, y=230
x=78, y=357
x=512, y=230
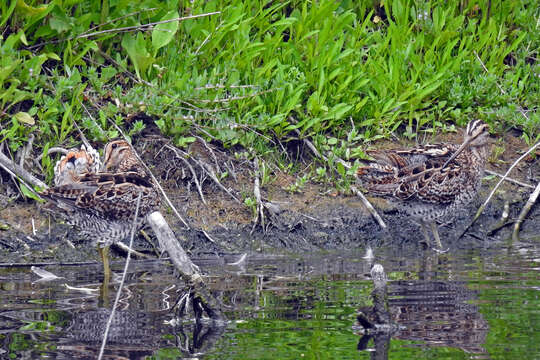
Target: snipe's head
x=476, y=135
x=76, y=163
x=119, y=157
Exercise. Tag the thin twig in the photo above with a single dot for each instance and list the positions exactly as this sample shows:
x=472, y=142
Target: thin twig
x=53, y=150
x=525, y=211
x=24, y=176
x=498, y=85
x=481, y=209
x=124, y=29
x=121, y=285
x=364, y=200
x=510, y=179
x=193, y=174
x=259, y=213
x=127, y=249
x=234, y=98
x=119, y=18
x=26, y=150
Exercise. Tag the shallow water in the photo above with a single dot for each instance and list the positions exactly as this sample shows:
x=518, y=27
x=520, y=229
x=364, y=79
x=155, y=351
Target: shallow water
x=481, y=304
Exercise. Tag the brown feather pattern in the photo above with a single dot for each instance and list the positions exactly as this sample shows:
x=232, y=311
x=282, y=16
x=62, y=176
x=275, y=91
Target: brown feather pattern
x=417, y=179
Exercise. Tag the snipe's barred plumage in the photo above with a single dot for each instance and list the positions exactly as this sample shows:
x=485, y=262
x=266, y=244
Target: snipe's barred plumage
x=102, y=204
x=431, y=181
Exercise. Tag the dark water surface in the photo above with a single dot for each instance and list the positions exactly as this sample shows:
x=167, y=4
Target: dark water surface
x=467, y=304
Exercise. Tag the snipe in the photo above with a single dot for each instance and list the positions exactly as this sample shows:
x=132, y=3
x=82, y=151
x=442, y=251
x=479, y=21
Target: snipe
x=430, y=182
x=102, y=204
x=75, y=163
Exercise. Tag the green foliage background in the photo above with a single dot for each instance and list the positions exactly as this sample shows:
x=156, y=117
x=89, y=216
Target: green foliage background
x=250, y=73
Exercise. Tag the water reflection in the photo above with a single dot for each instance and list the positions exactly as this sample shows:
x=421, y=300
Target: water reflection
x=285, y=307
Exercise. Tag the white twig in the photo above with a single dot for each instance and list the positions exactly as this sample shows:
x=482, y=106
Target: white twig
x=368, y=205
x=117, y=299
x=482, y=207
x=510, y=179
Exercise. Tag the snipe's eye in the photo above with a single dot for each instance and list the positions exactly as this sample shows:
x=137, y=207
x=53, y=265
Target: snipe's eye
x=114, y=146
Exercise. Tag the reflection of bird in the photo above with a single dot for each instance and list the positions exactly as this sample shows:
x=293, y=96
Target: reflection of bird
x=75, y=163
x=431, y=181
x=102, y=205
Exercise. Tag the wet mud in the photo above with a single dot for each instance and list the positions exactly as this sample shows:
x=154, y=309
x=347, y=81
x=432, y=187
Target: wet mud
x=314, y=218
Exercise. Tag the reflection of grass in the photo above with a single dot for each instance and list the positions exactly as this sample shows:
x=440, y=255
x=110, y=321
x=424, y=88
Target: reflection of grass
x=341, y=72
x=511, y=310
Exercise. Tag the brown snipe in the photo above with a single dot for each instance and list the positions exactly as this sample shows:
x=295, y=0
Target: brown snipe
x=430, y=182
x=102, y=204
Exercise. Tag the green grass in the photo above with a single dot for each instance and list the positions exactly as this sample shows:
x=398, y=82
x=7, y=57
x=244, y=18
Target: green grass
x=342, y=73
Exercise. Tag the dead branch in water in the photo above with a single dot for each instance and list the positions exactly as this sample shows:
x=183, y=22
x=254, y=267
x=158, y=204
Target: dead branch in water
x=187, y=269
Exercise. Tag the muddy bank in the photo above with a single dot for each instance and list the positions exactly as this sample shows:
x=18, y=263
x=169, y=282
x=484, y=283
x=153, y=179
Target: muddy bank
x=311, y=218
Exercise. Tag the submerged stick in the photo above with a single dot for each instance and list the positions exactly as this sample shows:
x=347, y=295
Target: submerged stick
x=525, y=211
x=509, y=179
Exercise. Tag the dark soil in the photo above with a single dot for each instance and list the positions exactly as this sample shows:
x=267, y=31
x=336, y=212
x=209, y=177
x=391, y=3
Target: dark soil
x=317, y=217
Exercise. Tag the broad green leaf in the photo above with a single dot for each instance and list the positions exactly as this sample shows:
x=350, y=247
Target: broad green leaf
x=28, y=193
x=28, y=10
x=24, y=117
x=136, y=49
x=164, y=33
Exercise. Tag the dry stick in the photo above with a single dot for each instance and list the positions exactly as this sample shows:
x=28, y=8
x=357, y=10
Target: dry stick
x=210, y=151
x=503, y=221
x=525, y=211
x=26, y=150
x=188, y=271
x=208, y=170
x=53, y=150
x=119, y=18
x=517, y=182
x=365, y=201
x=117, y=299
x=127, y=249
x=259, y=214
x=483, y=206
x=20, y=173
x=193, y=174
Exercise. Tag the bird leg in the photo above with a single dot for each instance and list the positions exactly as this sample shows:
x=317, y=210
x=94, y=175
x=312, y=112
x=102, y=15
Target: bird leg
x=104, y=253
x=426, y=232
x=435, y=230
